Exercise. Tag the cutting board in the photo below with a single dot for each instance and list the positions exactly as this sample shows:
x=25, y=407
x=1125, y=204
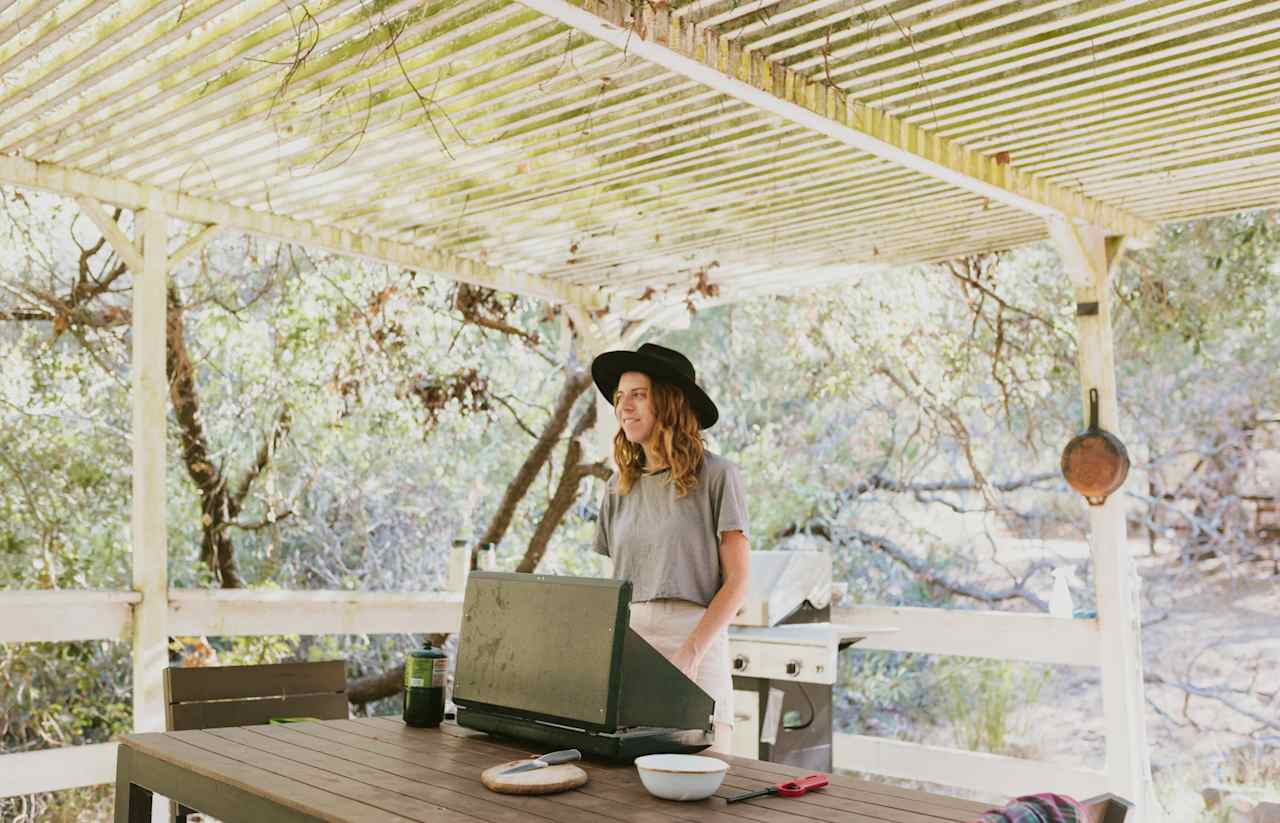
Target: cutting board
x=547, y=780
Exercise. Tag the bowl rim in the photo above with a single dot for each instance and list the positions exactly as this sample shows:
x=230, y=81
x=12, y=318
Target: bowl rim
x=712, y=764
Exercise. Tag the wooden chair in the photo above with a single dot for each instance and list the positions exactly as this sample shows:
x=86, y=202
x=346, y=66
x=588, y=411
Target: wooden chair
x=215, y=697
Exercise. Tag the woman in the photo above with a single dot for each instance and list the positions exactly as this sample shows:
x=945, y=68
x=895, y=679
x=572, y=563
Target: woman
x=673, y=518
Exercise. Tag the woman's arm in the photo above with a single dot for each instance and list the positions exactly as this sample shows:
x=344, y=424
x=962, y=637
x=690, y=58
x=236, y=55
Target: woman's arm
x=734, y=565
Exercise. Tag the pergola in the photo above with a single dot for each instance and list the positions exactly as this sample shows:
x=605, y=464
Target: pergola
x=615, y=158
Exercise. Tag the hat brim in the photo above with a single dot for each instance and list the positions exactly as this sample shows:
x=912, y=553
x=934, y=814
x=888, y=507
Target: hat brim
x=608, y=368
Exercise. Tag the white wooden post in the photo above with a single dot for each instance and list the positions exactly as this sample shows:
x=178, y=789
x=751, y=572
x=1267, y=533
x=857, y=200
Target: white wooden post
x=150, y=543
x=1087, y=258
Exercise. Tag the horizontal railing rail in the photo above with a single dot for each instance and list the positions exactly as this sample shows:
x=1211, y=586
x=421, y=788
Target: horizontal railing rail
x=64, y=616
x=991, y=774
x=1034, y=638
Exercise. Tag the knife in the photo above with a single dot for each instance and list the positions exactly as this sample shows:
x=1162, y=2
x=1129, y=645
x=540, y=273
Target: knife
x=542, y=761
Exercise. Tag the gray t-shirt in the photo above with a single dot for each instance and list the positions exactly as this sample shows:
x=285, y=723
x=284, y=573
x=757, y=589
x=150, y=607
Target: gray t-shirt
x=669, y=546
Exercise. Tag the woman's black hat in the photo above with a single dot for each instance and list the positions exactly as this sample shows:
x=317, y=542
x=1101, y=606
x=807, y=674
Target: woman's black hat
x=661, y=364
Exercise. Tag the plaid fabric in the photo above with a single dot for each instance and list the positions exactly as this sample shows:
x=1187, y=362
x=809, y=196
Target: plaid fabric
x=1038, y=808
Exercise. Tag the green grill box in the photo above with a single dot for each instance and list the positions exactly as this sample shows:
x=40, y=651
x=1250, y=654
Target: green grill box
x=552, y=660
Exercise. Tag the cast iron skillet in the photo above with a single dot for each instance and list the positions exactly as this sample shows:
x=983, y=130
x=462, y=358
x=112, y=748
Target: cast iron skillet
x=1095, y=463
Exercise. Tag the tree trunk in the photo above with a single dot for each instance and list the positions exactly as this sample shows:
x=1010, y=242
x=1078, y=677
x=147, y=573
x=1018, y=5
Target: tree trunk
x=376, y=686
x=565, y=494
x=218, y=509
x=575, y=384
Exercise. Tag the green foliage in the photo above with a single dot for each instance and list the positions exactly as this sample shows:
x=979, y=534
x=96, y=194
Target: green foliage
x=882, y=693
x=980, y=699
x=60, y=694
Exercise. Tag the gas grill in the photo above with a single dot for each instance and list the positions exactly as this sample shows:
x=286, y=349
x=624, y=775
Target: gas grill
x=784, y=650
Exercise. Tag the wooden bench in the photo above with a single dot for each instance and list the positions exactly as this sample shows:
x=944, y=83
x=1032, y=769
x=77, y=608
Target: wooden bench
x=218, y=697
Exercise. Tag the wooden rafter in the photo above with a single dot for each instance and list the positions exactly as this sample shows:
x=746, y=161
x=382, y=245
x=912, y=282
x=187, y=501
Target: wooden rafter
x=720, y=63
x=90, y=187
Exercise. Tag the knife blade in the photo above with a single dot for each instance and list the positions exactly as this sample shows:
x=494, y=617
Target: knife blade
x=542, y=761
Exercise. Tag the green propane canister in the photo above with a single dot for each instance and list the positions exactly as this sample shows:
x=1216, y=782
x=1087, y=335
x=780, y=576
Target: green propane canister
x=424, y=673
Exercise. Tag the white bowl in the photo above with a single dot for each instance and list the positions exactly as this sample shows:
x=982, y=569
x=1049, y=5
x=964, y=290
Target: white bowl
x=681, y=776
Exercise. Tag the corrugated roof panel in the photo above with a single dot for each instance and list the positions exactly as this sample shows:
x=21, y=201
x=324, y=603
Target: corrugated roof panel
x=485, y=130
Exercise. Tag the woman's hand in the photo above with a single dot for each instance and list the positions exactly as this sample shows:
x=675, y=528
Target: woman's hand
x=687, y=659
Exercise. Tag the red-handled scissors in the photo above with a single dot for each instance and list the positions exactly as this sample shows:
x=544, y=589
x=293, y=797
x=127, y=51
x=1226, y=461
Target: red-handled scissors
x=792, y=788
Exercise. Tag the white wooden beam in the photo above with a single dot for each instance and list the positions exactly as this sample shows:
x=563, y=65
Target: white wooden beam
x=255, y=612
x=194, y=245
x=973, y=771
x=65, y=615
x=150, y=528
x=1035, y=638
x=122, y=245
x=1086, y=257
x=50, y=177
x=720, y=63
x=51, y=770
x=70, y=616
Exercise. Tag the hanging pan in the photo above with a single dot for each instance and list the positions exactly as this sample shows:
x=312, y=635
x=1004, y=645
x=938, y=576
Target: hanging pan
x=1095, y=463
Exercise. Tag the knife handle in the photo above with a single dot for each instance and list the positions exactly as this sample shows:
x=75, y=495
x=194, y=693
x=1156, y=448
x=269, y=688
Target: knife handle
x=565, y=756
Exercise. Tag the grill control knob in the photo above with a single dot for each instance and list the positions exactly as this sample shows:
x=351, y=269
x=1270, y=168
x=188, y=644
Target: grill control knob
x=793, y=668
x=740, y=663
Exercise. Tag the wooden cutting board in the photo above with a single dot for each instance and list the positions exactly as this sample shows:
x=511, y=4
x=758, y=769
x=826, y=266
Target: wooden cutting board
x=548, y=780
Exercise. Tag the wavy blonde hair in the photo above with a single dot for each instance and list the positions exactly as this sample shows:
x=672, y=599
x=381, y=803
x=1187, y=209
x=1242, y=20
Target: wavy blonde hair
x=678, y=441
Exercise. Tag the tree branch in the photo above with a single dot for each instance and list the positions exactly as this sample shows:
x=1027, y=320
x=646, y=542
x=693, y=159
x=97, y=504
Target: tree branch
x=919, y=568
x=1209, y=693
x=576, y=382
x=565, y=494
x=375, y=686
x=877, y=482
x=263, y=459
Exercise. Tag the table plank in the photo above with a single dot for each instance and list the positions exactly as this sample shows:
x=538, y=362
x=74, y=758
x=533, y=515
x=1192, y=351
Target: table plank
x=314, y=802
x=372, y=770
x=764, y=773
x=815, y=806
x=137, y=770
x=619, y=785
x=380, y=769
x=583, y=803
x=940, y=805
x=272, y=765
x=768, y=772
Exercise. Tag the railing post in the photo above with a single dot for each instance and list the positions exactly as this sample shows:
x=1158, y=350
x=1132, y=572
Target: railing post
x=1086, y=256
x=149, y=527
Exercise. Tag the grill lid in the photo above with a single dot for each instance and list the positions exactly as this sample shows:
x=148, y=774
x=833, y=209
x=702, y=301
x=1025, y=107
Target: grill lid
x=782, y=582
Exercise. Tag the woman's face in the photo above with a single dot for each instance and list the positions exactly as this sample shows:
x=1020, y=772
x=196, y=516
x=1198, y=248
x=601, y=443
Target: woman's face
x=633, y=406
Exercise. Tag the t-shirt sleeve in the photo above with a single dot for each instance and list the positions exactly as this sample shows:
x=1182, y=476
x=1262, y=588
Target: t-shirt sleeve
x=601, y=545
x=728, y=503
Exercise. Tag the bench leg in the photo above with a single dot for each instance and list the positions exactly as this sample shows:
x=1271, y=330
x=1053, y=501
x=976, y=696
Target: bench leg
x=133, y=804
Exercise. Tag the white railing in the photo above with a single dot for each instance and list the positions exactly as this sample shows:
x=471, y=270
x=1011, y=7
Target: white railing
x=61, y=616
x=1033, y=638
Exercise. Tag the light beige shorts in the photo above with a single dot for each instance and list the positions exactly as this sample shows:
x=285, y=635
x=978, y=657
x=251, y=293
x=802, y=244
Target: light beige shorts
x=666, y=624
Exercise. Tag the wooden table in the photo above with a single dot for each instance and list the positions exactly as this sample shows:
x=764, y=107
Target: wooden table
x=378, y=769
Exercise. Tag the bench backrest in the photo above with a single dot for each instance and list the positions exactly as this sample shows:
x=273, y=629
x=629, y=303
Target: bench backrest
x=212, y=697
